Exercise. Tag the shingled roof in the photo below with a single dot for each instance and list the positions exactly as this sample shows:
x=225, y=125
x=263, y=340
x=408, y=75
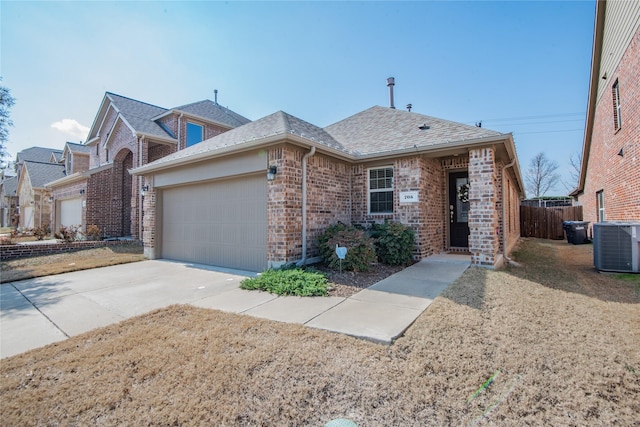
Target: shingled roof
x=10, y=186
x=381, y=129
x=78, y=148
x=42, y=173
x=278, y=123
x=139, y=114
x=209, y=110
x=37, y=154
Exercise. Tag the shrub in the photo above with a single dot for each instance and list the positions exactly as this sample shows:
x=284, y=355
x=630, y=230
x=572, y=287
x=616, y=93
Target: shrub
x=394, y=242
x=67, y=233
x=94, y=232
x=41, y=232
x=7, y=240
x=361, y=252
x=289, y=281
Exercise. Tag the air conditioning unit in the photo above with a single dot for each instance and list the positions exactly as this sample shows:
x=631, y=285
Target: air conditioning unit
x=616, y=246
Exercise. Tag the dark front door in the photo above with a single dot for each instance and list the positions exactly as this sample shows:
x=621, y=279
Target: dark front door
x=459, y=209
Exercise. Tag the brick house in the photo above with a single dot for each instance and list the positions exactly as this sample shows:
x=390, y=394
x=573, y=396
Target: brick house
x=127, y=133
x=259, y=195
x=35, y=167
x=68, y=193
x=609, y=183
x=8, y=200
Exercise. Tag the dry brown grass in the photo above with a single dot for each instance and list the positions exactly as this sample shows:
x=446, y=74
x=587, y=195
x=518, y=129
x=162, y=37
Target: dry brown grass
x=46, y=265
x=563, y=339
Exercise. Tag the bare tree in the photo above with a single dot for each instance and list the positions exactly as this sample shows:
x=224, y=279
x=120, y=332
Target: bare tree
x=6, y=102
x=575, y=163
x=541, y=175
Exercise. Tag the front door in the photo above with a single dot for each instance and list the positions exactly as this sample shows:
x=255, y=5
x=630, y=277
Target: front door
x=459, y=209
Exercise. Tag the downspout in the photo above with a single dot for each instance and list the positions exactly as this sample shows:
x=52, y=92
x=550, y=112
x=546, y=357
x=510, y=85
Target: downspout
x=304, y=205
x=140, y=211
x=504, y=213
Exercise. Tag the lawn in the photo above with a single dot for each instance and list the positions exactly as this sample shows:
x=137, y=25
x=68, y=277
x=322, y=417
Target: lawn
x=549, y=343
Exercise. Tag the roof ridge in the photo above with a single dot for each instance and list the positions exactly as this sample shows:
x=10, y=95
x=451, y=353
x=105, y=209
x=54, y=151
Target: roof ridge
x=137, y=100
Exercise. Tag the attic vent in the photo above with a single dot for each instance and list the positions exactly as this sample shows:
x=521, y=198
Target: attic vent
x=424, y=127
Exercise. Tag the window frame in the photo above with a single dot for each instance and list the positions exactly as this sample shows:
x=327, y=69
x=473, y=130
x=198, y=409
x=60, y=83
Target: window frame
x=186, y=136
x=390, y=189
x=600, y=211
x=617, y=117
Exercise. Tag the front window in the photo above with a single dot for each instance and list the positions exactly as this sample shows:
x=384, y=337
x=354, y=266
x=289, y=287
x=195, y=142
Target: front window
x=617, y=118
x=195, y=134
x=381, y=190
x=600, y=203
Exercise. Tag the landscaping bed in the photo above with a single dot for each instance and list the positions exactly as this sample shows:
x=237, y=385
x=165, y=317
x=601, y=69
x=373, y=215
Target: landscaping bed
x=552, y=342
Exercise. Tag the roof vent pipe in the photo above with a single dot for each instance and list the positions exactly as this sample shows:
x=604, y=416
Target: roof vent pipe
x=215, y=96
x=390, y=84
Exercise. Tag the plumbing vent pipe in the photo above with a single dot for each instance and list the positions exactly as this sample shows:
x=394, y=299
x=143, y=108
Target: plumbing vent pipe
x=391, y=82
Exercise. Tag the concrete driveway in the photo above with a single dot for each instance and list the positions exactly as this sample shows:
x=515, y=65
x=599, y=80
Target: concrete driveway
x=40, y=311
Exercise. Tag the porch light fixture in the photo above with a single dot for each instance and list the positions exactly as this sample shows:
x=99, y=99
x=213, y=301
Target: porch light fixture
x=271, y=173
x=144, y=189
x=82, y=191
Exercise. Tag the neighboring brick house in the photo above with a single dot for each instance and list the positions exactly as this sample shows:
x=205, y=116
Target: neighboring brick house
x=609, y=183
x=260, y=195
x=33, y=197
x=127, y=133
x=9, y=201
x=69, y=192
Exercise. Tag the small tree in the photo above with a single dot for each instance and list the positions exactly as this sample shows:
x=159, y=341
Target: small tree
x=575, y=163
x=541, y=175
x=6, y=102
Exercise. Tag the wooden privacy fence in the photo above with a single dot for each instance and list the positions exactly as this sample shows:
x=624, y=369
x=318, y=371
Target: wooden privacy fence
x=546, y=223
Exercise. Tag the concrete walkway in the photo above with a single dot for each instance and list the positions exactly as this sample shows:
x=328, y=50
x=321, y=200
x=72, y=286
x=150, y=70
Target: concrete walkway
x=40, y=311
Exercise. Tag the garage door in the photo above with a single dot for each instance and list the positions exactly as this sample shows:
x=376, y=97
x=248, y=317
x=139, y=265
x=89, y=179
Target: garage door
x=27, y=217
x=222, y=223
x=71, y=212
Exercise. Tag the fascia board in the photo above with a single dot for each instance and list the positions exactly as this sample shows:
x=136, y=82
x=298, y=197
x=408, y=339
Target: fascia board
x=193, y=116
x=78, y=176
x=171, y=141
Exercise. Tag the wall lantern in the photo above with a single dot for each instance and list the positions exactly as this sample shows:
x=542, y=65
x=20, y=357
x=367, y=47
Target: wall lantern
x=82, y=191
x=144, y=189
x=271, y=173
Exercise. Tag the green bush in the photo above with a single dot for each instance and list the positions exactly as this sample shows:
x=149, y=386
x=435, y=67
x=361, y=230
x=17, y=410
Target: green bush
x=288, y=281
x=394, y=243
x=361, y=252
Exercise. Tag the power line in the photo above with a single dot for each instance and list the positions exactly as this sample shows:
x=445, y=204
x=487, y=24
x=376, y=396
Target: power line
x=544, y=116
x=549, y=131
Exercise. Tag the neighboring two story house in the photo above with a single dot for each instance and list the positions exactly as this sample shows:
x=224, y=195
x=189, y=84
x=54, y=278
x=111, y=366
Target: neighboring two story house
x=127, y=133
x=609, y=183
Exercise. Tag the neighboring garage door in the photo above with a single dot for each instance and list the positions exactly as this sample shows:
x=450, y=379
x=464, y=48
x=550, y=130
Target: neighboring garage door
x=222, y=223
x=27, y=217
x=71, y=212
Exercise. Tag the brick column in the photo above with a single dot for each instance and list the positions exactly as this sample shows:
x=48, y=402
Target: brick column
x=149, y=222
x=483, y=215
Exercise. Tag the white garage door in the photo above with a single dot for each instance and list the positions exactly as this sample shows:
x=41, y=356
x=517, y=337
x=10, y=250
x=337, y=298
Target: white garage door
x=27, y=217
x=71, y=212
x=222, y=223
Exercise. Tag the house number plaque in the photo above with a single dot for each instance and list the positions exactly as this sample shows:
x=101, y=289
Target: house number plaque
x=409, y=197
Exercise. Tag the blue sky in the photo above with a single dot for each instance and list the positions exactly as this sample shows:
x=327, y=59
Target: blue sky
x=520, y=67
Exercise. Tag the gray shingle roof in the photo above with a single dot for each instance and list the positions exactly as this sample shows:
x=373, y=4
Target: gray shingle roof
x=381, y=129
x=42, y=173
x=37, y=154
x=10, y=186
x=78, y=148
x=139, y=114
x=210, y=110
x=278, y=123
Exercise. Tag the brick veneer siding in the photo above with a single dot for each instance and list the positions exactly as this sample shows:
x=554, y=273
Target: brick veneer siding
x=484, y=242
x=618, y=176
x=80, y=163
x=149, y=222
x=8, y=252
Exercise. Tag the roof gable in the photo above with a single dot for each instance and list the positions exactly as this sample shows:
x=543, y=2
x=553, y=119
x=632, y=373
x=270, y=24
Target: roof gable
x=10, y=186
x=76, y=148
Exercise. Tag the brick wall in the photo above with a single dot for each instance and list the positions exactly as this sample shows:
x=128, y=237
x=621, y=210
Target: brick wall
x=483, y=214
x=80, y=163
x=618, y=176
x=8, y=252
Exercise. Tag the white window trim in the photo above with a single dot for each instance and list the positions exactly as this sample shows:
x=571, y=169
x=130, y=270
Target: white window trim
x=600, y=207
x=369, y=190
x=186, y=133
